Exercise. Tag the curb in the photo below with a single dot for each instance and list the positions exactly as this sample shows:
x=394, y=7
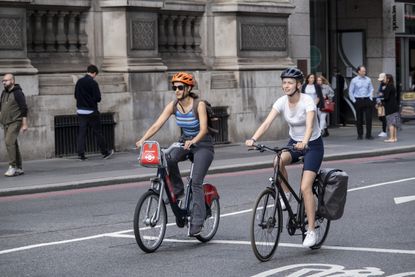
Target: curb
x=212, y=170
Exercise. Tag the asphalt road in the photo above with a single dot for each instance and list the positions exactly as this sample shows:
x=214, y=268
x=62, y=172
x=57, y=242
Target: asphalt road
x=88, y=232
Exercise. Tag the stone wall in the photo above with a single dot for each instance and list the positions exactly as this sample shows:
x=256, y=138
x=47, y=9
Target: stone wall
x=235, y=48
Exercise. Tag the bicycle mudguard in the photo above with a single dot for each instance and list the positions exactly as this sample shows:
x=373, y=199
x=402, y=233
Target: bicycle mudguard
x=210, y=193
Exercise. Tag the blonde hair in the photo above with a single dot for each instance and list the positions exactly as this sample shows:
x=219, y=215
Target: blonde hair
x=323, y=79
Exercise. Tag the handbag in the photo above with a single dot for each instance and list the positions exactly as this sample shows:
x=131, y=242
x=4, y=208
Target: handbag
x=328, y=106
x=381, y=110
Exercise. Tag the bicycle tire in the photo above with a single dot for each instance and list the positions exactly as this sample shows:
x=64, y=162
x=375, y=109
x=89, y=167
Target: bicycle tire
x=266, y=227
x=149, y=235
x=211, y=224
x=322, y=225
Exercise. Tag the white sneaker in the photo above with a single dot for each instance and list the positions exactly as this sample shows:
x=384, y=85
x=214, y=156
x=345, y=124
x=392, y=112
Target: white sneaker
x=310, y=239
x=288, y=196
x=10, y=172
x=382, y=135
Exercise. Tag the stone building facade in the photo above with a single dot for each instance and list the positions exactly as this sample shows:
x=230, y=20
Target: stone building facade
x=235, y=48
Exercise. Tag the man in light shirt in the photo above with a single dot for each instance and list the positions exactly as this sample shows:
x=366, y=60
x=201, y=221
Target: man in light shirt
x=360, y=93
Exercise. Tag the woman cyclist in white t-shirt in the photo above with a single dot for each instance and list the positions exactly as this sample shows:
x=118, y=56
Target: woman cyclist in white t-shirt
x=300, y=112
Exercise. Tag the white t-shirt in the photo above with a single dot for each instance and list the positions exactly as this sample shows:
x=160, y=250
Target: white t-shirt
x=296, y=116
x=311, y=90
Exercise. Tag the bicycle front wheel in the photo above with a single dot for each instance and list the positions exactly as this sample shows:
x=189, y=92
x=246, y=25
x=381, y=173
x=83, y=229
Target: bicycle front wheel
x=148, y=230
x=211, y=224
x=321, y=224
x=266, y=225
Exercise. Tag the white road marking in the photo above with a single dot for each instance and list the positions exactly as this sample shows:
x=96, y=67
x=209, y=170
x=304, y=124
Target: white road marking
x=292, y=245
x=28, y=247
x=404, y=199
x=382, y=184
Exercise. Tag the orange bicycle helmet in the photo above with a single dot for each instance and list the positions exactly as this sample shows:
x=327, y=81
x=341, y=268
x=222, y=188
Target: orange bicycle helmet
x=183, y=77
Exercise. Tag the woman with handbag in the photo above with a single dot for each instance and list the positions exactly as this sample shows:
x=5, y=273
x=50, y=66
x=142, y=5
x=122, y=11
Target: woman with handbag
x=380, y=108
x=391, y=109
x=328, y=94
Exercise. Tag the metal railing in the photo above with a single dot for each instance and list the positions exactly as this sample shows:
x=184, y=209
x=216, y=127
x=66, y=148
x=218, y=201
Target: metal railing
x=221, y=125
x=66, y=134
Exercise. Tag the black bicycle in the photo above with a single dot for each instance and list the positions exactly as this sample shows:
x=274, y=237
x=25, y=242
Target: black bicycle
x=267, y=220
x=150, y=217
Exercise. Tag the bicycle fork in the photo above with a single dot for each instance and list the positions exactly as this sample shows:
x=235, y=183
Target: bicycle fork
x=156, y=186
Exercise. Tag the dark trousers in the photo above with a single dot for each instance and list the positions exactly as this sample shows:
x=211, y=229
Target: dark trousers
x=364, y=107
x=202, y=158
x=383, y=120
x=11, y=131
x=93, y=120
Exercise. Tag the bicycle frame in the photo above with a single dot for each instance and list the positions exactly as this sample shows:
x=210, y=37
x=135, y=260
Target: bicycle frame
x=276, y=185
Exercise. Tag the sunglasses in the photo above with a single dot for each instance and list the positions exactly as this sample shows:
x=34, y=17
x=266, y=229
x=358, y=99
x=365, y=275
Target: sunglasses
x=181, y=87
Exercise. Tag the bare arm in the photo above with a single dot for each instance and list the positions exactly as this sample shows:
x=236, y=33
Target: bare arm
x=309, y=124
x=263, y=128
x=164, y=116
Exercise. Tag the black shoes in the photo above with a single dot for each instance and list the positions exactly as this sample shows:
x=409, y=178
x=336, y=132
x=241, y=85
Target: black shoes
x=108, y=154
x=82, y=158
x=368, y=137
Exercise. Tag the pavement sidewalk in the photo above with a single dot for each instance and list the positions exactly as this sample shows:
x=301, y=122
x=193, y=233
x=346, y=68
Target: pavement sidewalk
x=68, y=173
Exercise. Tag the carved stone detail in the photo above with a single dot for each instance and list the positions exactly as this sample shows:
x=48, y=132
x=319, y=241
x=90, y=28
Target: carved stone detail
x=143, y=35
x=11, y=32
x=263, y=37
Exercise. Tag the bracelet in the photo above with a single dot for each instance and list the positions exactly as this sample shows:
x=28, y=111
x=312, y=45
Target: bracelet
x=253, y=139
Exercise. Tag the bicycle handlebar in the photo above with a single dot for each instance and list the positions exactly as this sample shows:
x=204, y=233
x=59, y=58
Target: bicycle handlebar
x=172, y=146
x=263, y=148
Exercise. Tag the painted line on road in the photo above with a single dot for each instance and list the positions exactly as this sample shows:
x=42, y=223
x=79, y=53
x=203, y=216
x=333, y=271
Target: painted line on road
x=28, y=247
x=293, y=245
x=404, y=199
x=382, y=184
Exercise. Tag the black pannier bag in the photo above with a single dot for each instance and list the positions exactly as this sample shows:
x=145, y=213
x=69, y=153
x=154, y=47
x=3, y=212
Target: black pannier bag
x=332, y=193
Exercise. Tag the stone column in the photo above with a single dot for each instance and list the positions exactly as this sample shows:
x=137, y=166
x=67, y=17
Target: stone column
x=13, y=43
x=130, y=37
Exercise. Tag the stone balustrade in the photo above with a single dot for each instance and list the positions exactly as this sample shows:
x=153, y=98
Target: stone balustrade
x=56, y=31
x=179, y=34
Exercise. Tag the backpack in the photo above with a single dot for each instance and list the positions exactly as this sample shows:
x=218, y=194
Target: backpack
x=332, y=185
x=211, y=117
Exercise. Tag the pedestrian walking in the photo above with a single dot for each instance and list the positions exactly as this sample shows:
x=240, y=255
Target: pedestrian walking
x=380, y=107
x=13, y=117
x=328, y=93
x=360, y=93
x=391, y=109
x=88, y=95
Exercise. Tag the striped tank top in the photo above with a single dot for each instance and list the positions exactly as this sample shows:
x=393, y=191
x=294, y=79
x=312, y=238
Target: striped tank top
x=188, y=122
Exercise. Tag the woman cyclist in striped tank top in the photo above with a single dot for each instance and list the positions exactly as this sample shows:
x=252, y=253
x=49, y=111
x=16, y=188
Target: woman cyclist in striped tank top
x=197, y=141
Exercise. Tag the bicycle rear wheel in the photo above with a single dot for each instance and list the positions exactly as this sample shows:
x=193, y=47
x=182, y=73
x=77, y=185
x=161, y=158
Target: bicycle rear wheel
x=266, y=226
x=211, y=224
x=321, y=225
x=149, y=232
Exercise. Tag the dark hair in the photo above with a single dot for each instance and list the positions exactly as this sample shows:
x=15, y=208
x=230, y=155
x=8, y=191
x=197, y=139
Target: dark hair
x=389, y=79
x=360, y=67
x=92, y=69
x=308, y=77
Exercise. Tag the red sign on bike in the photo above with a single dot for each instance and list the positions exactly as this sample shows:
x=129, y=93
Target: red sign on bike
x=150, y=154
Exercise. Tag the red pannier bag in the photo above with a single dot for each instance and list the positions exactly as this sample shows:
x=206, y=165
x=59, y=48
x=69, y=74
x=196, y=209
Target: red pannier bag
x=150, y=155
